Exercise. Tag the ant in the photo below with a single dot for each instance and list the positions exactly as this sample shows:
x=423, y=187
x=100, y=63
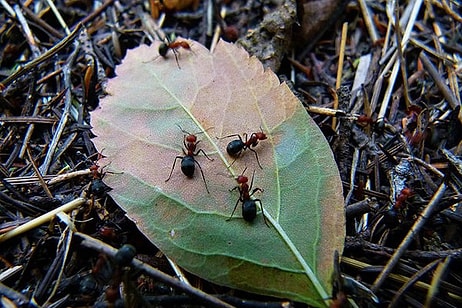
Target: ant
x=188, y=161
x=249, y=206
x=164, y=48
x=97, y=186
x=235, y=147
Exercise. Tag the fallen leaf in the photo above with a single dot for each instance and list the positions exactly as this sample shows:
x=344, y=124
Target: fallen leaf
x=213, y=95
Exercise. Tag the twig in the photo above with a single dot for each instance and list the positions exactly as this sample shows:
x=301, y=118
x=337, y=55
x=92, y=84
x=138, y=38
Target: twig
x=447, y=93
x=45, y=56
x=391, y=80
x=424, y=216
x=42, y=23
x=65, y=115
x=97, y=11
x=341, y=57
x=402, y=60
x=18, y=297
x=436, y=281
x=97, y=245
x=368, y=21
x=58, y=16
x=27, y=32
x=42, y=219
x=410, y=282
x=39, y=176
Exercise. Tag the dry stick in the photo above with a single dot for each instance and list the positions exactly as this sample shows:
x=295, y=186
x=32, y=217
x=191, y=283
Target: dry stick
x=8, y=8
x=424, y=216
x=396, y=277
x=447, y=93
x=65, y=115
x=45, y=56
x=341, y=57
x=66, y=240
x=28, y=33
x=29, y=131
x=42, y=23
x=402, y=61
x=438, y=275
x=394, y=72
x=42, y=219
x=98, y=245
x=416, y=277
x=39, y=176
x=367, y=17
x=97, y=11
x=58, y=16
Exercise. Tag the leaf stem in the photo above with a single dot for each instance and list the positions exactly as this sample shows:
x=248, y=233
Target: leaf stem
x=308, y=271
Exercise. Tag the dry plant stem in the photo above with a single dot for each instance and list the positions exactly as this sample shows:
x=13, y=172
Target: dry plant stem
x=447, y=93
x=354, y=167
x=58, y=16
x=28, y=33
x=424, y=216
x=341, y=57
x=416, y=277
x=451, y=12
x=39, y=176
x=367, y=17
x=394, y=72
x=97, y=11
x=65, y=115
x=12, y=294
x=28, y=119
x=45, y=56
x=436, y=280
x=178, y=271
x=402, y=61
x=8, y=8
x=97, y=245
x=42, y=219
x=66, y=239
x=395, y=277
x=41, y=22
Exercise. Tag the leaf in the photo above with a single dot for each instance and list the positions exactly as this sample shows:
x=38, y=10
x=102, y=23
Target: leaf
x=214, y=95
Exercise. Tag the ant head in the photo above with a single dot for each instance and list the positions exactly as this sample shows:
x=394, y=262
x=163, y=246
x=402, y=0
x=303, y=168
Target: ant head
x=191, y=138
x=242, y=179
x=260, y=135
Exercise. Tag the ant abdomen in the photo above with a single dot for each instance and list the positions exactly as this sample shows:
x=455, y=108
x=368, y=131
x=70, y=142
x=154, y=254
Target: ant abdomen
x=163, y=49
x=188, y=166
x=235, y=147
x=249, y=210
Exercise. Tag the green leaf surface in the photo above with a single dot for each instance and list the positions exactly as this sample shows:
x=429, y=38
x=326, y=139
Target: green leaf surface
x=214, y=95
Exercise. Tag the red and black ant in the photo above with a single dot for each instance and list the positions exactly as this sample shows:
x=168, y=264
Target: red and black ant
x=166, y=46
x=236, y=147
x=97, y=186
x=249, y=206
x=188, y=161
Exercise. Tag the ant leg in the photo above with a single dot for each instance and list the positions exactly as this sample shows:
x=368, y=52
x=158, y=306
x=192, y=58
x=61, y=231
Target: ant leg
x=255, y=190
x=173, y=167
x=262, y=212
x=205, y=154
x=203, y=177
x=235, y=207
x=229, y=136
x=256, y=155
x=176, y=58
x=251, y=181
